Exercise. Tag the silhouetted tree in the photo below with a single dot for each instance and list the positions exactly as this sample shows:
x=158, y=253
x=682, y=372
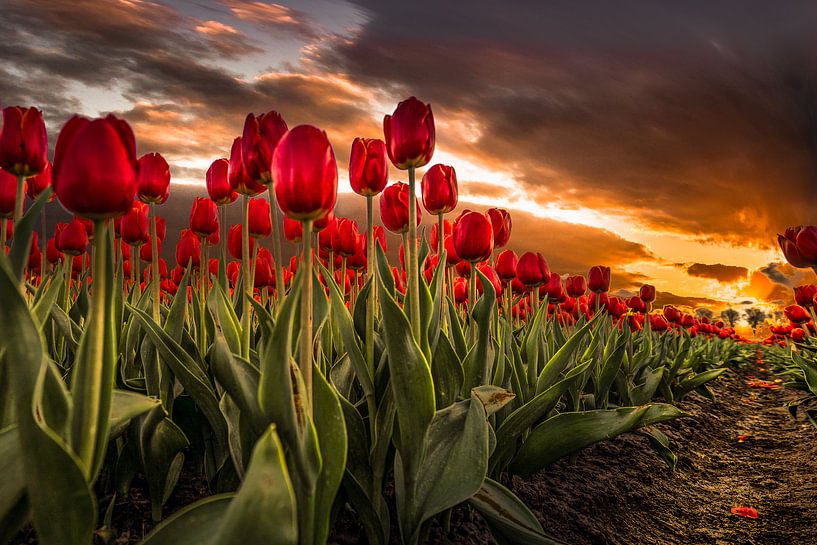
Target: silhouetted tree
x=704, y=313
x=730, y=316
x=755, y=317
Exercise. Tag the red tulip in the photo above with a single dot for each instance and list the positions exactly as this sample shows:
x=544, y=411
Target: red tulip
x=553, y=287
x=433, y=240
x=52, y=253
x=576, y=286
x=260, y=224
x=399, y=280
x=672, y=314
x=218, y=183
x=234, y=242
x=233, y=268
x=263, y=273
x=501, y=223
x=410, y=134
x=8, y=194
x=647, y=293
x=293, y=230
x=146, y=251
x=154, y=178
x=797, y=314
x=23, y=141
x=532, y=269
x=451, y=257
x=460, y=291
x=439, y=187
x=807, y=243
x=799, y=252
x=358, y=260
x=463, y=269
x=345, y=237
x=637, y=304
x=599, y=279
x=134, y=226
x=380, y=237
x=188, y=250
x=241, y=180
x=305, y=174
x=39, y=183
x=473, y=237
x=798, y=335
x=327, y=234
x=258, y=142
x=804, y=295
x=72, y=239
x=204, y=217
x=658, y=323
x=368, y=166
x=506, y=263
x=489, y=273
x=95, y=167
x=394, y=211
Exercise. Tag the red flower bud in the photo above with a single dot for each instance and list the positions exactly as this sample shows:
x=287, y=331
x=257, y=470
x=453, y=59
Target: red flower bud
x=804, y=295
x=258, y=142
x=154, y=178
x=293, y=230
x=647, y=293
x=95, y=168
x=599, y=278
x=433, y=240
x=234, y=245
x=394, y=211
x=576, y=286
x=797, y=314
x=410, y=134
x=218, y=183
x=134, y=226
x=368, y=166
x=204, y=217
x=39, y=183
x=489, y=273
x=451, y=257
x=501, y=223
x=305, y=173
x=672, y=314
x=798, y=335
x=506, y=263
x=439, y=187
x=473, y=237
x=72, y=239
x=240, y=180
x=52, y=253
x=23, y=141
x=532, y=269
x=188, y=250
x=345, y=237
x=260, y=223
x=8, y=194
x=554, y=288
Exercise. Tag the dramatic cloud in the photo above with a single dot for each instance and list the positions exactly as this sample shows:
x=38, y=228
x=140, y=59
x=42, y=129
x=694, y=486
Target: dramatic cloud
x=719, y=272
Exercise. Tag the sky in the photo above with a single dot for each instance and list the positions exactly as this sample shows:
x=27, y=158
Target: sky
x=669, y=140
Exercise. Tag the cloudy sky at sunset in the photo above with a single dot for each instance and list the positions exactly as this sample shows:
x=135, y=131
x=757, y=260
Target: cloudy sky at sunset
x=670, y=140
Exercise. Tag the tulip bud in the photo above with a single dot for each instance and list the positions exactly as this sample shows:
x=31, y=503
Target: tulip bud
x=433, y=238
x=218, y=183
x=804, y=295
x=134, y=227
x=95, y=167
x=506, y=263
x=154, y=178
x=39, y=183
x=647, y=293
x=554, y=288
x=204, y=217
x=439, y=188
x=293, y=230
x=258, y=142
x=23, y=141
x=599, y=279
x=345, y=237
x=394, y=211
x=473, y=237
x=672, y=314
x=8, y=194
x=368, y=167
x=72, y=239
x=260, y=223
x=234, y=242
x=532, y=269
x=240, y=180
x=797, y=314
x=576, y=286
x=501, y=223
x=188, y=250
x=410, y=134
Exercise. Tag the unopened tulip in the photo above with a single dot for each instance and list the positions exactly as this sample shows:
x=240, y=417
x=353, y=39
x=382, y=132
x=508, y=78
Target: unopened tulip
x=576, y=286
x=72, y=238
x=188, y=250
x=234, y=242
x=95, y=167
x=240, y=180
x=134, y=226
x=260, y=225
x=647, y=293
x=598, y=279
x=394, y=211
x=797, y=314
x=532, y=269
x=52, y=253
x=218, y=183
x=554, y=288
x=804, y=295
x=293, y=230
x=345, y=237
x=154, y=179
x=39, y=183
x=23, y=141
x=410, y=134
x=506, y=263
x=501, y=223
x=439, y=188
x=637, y=304
x=368, y=166
x=204, y=217
x=8, y=194
x=258, y=142
x=451, y=257
x=798, y=335
x=672, y=314
x=305, y=173
x=473, y=237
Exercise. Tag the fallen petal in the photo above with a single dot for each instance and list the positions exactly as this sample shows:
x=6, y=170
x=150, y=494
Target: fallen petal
x=743, y=511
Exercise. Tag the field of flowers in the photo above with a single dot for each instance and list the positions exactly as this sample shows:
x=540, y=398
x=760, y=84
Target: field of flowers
x=394, y=383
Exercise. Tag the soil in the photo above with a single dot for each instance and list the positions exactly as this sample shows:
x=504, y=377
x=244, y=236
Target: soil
x=620, y=492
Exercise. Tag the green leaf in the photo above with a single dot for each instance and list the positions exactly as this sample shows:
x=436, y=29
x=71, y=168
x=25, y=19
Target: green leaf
x=567, y=433
x=13, y=485
x=160, y=443
x=447, y=373
x=195, y=524
x=21, y=243
x=126, y=406
x=510, y=521
x=225, y=319
x=478, y=363
x=562, y=358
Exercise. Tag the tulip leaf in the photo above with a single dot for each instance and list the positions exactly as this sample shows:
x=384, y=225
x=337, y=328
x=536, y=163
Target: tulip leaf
x=447, y=373
x=195, y=524
x=570, y=432
x=562, y=358
x=127, y=405
x=160, y=443
x=479, y=361
x=13, y=501
x=21, y=243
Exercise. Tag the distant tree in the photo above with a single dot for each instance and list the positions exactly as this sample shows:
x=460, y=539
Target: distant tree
x=704, y=313
x=730, y=316
x=755, y=317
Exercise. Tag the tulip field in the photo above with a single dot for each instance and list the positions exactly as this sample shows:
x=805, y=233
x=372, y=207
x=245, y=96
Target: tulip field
x=390, y=383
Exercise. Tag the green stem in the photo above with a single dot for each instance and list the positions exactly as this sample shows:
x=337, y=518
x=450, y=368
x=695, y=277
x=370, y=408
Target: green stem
x=306, y=314
x=245, y=269
x=276, y=245
x=43, y=246
x=371, y=272
x=154, y=266
x=203, y=284
x=19, y=200
x=136, y=265
x=413, y=279
x=472, y=302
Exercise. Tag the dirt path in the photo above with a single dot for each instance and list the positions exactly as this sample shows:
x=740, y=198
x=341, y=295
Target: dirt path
x=619, y=492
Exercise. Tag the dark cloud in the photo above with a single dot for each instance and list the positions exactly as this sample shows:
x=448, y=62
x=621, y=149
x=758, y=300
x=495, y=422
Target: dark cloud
x=689, y=116
x=690, y=303
x=717, y=271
